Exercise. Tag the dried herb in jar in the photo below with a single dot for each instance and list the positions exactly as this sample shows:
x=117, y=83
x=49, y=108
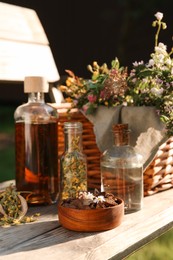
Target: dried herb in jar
x=73, y=162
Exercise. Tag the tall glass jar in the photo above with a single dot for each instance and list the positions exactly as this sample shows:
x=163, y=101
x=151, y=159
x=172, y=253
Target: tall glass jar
x=122, y=170
x=36, y=147
x=73, y=170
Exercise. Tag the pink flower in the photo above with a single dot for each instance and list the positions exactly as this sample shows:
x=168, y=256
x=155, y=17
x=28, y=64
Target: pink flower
x=85, y=108
x=102, y=94
x=91, y=98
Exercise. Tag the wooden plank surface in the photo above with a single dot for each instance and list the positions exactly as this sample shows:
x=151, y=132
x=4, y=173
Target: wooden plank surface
x=46, y=239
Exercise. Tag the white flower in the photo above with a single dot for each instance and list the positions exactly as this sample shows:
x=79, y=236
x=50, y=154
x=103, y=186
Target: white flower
x=151, y=63
x=168, y=61
x=157, y=92
x=134, y=80
x=101, y=198
x=159, y=16
x=162, y=46
x=161, y=58
x=145, y=80
x=124, y=103
x=135, y=64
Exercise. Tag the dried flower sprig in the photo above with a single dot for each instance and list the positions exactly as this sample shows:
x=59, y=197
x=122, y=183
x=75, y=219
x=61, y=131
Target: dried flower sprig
x=158, y=22
x=88, y=200
x=106, y=87
x=13, y=208
x=74, y=88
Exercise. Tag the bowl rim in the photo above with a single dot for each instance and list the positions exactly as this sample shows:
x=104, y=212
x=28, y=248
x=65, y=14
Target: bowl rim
x=98, y=209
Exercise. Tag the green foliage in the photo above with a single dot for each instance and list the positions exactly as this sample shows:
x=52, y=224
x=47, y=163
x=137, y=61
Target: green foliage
x=159, y=249
x=7, y=153
x=7, y=163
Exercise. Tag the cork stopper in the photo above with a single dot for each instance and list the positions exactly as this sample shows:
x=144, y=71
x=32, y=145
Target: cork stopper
x=35, y=84
x=121, y=134
x=120, y=127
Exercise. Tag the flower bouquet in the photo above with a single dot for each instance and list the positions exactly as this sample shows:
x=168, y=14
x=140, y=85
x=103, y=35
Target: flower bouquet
x=106, y=87
x=151, y=84
x=146, y=85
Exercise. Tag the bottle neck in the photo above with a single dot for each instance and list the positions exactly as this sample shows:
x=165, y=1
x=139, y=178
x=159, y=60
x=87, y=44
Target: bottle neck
x=36, y=97
x=121, y=138
x=73, y=141
x=73, y=136
x=121, y=134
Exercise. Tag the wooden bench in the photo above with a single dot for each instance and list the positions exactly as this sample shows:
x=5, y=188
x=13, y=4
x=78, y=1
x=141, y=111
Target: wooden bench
x=46, y=239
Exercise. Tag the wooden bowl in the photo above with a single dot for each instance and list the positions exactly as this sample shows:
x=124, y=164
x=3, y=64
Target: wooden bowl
x=88, y=220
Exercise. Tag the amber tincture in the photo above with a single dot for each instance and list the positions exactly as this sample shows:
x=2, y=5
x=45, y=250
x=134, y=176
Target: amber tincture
x=73, y=170
x=122, y=170
x=36, y=147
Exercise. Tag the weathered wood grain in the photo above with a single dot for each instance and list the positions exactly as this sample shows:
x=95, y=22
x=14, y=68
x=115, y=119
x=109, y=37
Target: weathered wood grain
x=46, y=239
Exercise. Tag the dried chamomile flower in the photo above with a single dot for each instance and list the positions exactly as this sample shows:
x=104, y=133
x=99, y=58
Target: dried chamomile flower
x=13, y=208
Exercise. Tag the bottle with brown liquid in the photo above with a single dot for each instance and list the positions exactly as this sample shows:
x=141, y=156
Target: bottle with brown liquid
x=122, y=170
x=36, y=147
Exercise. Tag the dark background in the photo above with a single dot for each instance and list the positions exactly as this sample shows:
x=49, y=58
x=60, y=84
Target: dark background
x=81, y=31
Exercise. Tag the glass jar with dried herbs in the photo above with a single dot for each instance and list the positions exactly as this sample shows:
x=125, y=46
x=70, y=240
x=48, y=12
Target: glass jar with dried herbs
x=73, y=162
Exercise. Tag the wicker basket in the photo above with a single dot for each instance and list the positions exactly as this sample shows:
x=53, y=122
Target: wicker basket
x=159, y=174
x=157, y=177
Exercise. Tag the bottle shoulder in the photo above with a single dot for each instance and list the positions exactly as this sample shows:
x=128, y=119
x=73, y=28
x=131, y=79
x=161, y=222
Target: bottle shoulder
x=39, y=110
x=119, y=151
x=116, y=153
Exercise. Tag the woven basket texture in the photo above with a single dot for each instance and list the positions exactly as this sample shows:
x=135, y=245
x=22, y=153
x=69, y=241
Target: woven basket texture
x=159, y=174
x=157, y=177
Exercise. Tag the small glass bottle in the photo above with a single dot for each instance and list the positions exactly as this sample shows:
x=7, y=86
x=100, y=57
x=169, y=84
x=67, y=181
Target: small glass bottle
x=73, y=169
x=122, y=170
x=36, y=145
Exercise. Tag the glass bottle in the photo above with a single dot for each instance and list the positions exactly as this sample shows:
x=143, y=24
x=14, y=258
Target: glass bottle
x=73, y=170
x=122, y=170
x=36, y=145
